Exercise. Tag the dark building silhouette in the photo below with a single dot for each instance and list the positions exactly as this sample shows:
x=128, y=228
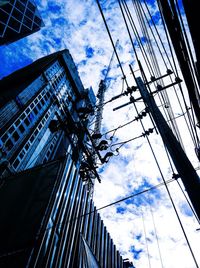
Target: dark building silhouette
x=18, y=18
x=47, y=216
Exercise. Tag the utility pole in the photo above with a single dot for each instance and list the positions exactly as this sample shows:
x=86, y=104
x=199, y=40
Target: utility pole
x=175, y=32
x=183, y=165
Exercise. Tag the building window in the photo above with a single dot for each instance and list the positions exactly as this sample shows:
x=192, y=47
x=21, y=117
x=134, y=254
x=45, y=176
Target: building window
x=17, y=122
x=11, y=129
x=32, y=138
x=22, y=116
x=36, y=101
x=42, y=102
x=4, y=137
x=45, y=97
x=27, y=122
x=40, y=126
x=21, y=155
x=27, y=110
x=31, y=117
x=27, y=146
x=9, y=145
x=16, y=163
x=15, y=136
x=36, y=132
x=45, y=160
x=35, y=110
x=39, y=106
x=21, y=128
x=20, y=6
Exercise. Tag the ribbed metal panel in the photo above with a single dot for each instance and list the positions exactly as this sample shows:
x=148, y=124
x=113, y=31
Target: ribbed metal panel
x=98, y=241
x=95, y=231
x=90, y=225
x=70, y=212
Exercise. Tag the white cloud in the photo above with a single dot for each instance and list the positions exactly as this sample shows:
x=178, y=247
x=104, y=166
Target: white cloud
x=82, y=27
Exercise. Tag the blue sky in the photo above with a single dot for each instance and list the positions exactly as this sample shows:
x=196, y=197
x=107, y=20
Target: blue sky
x=78, y=26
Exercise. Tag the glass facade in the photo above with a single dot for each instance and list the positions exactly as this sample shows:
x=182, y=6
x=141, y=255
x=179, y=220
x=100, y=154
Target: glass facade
x=26, y=138
x=69, y=231
x=18, y=18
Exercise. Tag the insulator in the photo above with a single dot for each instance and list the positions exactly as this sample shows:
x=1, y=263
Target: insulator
x=148, y=132
x=144, y=114
x=106, y=157
x=153, y=78
x=96, y=136
x=103, y=145
x=132, y=99
x=133, y=88
x=129, y=90
x=178, y=80
x=138, y=117
x=169, y=71
x=84, y=165
x=175, y=176
x=159, y=87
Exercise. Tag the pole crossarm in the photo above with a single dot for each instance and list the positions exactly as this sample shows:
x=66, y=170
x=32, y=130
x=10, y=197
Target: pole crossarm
x=132, y=99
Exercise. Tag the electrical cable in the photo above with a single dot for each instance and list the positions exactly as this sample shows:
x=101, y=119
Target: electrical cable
x=188, y=201
x=170, y=47
x=136, y=34
x=191, y=59
x=167, y=189
x=130, y=37
x=145, y=34
x=120, y=126
x=39, y=153
x=156, y=235
x=110, y=36
x=98, y=209
x=163, y=95
x=168, y=40
x=146, y=241
x=152, y=20
x=120, y=200
x=122, y=85
x=171, y=66
x=169, y=194
x=186, y=198
x=124, y=142
x=129, y=122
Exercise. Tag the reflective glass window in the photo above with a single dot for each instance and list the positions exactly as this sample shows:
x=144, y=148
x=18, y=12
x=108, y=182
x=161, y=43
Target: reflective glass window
x=35, y=110
x=27, y=122
x=16, y=163
x=27, y=146
x=9, y=144
x=32, y=138
x=21, y=128
x=15, y=136
x=4, y=137
x=11, y=129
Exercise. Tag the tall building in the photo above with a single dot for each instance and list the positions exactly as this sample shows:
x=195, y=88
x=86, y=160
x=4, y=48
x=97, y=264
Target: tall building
x=18, y=18
x=47, y=216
